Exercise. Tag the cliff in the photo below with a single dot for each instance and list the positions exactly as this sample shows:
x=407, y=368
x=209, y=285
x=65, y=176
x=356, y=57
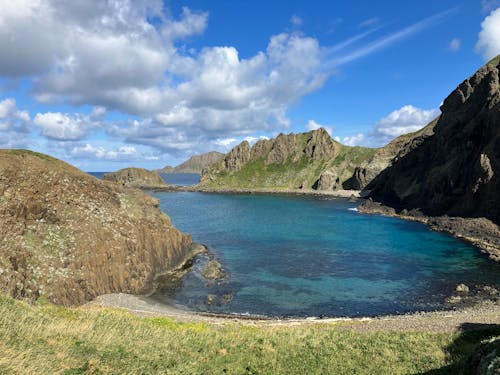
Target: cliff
x=136, y=177
x=455, y=171
x=311, y=160
x=71, y=237
x=194, y=164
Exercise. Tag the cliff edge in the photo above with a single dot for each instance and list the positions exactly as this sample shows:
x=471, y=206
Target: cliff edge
x=71, y=237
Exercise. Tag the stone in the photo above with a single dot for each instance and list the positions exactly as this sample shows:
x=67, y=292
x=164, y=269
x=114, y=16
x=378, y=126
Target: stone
x=462, y=288
x=136, y=177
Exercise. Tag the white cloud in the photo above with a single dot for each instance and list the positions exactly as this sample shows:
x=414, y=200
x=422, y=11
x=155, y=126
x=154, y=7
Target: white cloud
x=93, y=152
x=455, y=45
x=189, y=24
x=296, y=20
x=65, y=127
x=313, y=125
x=390, y=39
x=13, y=119
x=489, y=37
x=370, y=22
x=407, y=119
x=354, y=140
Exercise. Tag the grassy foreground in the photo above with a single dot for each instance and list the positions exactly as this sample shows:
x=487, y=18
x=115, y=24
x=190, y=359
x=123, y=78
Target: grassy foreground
x=47, y=339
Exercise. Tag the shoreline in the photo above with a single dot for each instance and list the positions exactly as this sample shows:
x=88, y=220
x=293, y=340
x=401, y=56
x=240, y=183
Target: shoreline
x=479, y=232
x=485, y=312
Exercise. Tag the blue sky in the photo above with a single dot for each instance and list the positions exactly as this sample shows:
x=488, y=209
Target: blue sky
x=109, y=84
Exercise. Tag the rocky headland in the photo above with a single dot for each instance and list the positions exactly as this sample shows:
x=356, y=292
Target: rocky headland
x=451, y=179
x=136, y=177
x=70, y=237
x=194, y=164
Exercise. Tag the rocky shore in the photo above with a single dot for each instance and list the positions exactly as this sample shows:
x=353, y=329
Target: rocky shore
x=486, y=312
x=480, y=232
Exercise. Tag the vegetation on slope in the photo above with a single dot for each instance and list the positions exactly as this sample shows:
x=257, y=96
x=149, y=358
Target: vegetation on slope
x=48, y=339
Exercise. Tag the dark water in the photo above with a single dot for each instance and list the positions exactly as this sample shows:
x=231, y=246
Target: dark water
x=311, y=256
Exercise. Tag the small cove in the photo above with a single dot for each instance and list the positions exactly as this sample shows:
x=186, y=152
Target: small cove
x=315, y=256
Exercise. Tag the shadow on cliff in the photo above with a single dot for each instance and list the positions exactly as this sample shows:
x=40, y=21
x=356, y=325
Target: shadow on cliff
x=469, y=348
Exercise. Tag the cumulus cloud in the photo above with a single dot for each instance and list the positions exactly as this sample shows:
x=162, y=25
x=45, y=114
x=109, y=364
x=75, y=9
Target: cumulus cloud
x=455, y=45
x=489, y=37
x=407, y=119
x=65, y=127
x=313, y=125
x=354, y=140
x=96, y=152
x=15, y=125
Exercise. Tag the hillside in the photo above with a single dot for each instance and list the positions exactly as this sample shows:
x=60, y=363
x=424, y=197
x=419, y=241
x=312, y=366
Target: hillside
x=70, y=237
x=306, y=161
x=194, y=164
x=136, y=177
x=456, y=170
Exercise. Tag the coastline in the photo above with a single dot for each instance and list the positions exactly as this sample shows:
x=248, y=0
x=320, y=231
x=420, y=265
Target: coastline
x=201, y=189
x=480, y=232
x=486, y=312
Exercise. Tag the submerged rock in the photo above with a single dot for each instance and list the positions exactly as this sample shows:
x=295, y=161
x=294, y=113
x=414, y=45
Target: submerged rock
x=462, y=288
x=213, y=270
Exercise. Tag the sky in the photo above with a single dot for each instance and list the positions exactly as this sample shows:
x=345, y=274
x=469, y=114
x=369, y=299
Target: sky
x=105, y=85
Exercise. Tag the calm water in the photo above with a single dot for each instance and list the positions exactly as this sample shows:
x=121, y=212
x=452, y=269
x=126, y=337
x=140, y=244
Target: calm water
x=311, y=256
x=182, y=179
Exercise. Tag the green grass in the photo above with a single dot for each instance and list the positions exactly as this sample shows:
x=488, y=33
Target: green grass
x=47, y=339
x=290, y=174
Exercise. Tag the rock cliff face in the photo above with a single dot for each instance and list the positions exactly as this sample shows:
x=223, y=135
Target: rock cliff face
x=385, y=156
x=195, y=164
x=136, y=177
x=289, y=161
x=456, y=170
x=71, y=237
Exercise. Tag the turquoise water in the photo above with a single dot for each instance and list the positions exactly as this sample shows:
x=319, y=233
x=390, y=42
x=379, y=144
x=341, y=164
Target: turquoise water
x=312, y=256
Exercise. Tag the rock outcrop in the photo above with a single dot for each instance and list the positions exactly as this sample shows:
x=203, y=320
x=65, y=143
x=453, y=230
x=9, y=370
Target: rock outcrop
x=385, y=156
x=136, y=177
x=71, y=237
x=456, y=170
x=194, y=164
x=311, y=160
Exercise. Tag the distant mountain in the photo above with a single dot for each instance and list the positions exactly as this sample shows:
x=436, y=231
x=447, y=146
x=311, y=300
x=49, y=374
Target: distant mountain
x=195, y=164
x=455, y=170
x=306, y=161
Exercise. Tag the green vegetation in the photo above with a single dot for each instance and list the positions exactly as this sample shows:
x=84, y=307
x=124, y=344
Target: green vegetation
x=47, y=339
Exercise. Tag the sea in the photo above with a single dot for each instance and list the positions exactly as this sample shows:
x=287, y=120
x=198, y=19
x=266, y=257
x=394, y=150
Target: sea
x=301, y=256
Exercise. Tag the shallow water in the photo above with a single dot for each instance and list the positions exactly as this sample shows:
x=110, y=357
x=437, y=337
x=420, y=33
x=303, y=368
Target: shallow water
x=312, y=256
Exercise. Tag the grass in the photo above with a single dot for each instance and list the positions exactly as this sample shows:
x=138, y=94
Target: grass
x=45, y=339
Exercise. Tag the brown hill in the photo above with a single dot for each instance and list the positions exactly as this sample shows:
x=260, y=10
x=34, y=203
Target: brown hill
x=136, y=177
x=71, y=237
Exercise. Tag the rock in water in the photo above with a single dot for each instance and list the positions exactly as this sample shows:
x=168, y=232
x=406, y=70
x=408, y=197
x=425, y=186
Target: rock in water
x=71, y=237
x=136, y=177
x=456, y=170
